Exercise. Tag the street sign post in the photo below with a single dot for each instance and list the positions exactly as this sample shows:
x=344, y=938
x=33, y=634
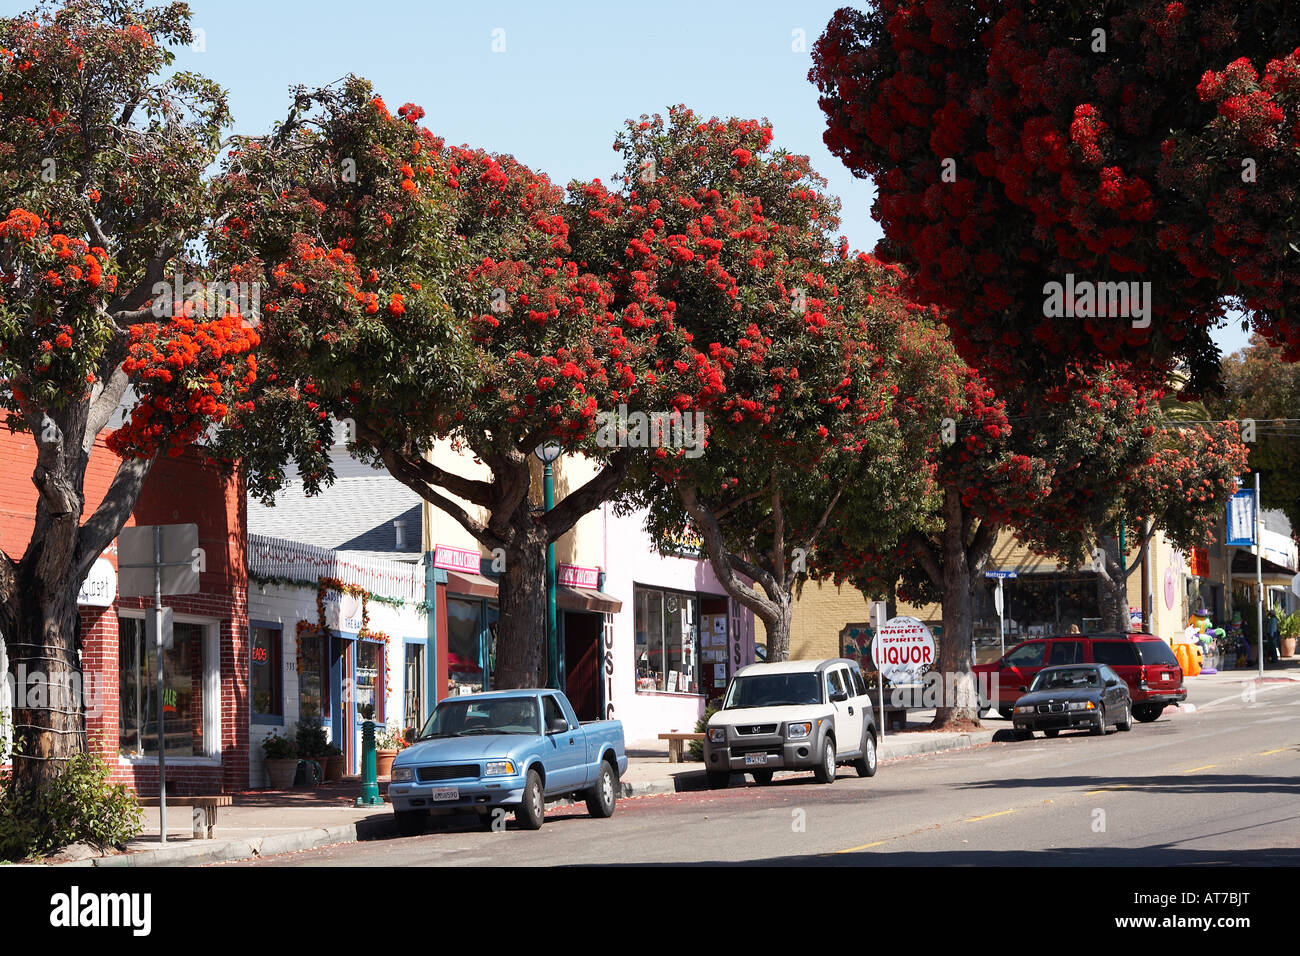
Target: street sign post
x=998, y=603
x=159, y=559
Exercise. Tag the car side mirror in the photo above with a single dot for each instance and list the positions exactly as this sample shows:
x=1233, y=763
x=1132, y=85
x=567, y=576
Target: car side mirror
x=558, y=725
x=838, y=696
x=1024, y=689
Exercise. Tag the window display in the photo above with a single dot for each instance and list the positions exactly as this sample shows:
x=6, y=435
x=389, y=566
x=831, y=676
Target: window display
x=182, y=690
x=667, y=641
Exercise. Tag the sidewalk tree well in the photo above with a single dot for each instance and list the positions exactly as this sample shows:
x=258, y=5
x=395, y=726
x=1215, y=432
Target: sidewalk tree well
x=1018, y=143
x=417, y=292
x=102, y=162
x=736, y=238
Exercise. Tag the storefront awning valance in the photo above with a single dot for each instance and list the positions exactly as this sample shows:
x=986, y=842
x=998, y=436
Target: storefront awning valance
x=475, y=585
x=1243, y=565
x=586, y=599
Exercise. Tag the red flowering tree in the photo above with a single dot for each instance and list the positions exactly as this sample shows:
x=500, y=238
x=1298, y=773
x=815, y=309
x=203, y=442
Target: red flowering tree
x=735, y=239
x=1060, y=471
x=102, y=163
x=418, y=292
x=1024, y=143
x=1262, y=392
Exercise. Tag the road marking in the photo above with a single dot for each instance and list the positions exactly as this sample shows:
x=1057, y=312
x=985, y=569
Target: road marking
x=865, y=846
x=989, y=816
x=1206, y=767
x=1117, y=786
x=1277, y=751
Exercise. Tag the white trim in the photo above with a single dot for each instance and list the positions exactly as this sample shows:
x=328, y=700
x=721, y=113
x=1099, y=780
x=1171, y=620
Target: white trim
x=124, y=760
x=211, y=743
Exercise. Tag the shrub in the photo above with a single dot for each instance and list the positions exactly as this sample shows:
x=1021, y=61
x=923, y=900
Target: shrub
x=275, y=747
x=311, y=739
x=77, y=806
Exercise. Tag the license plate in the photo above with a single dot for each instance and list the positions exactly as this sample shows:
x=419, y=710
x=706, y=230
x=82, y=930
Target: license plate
x=446, y=793
x=1164, y=677
x=755, y=760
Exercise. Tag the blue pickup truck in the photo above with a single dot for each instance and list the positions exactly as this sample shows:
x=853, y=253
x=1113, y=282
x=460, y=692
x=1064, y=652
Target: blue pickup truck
x=514, y=749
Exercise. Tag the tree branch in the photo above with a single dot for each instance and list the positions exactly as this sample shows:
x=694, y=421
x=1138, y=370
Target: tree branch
x=587, y=498
x=725, y=564
x=120, y=500
x=404, y=471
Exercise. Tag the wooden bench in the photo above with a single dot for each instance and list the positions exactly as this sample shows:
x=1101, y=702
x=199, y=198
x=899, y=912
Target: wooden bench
x=675, y=744
x=205, y=811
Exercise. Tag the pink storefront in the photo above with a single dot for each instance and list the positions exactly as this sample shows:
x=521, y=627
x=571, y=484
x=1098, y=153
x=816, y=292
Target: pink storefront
x=677, y=639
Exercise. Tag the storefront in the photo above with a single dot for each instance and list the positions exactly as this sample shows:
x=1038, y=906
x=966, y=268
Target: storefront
x=680, y=644
x=333, y=637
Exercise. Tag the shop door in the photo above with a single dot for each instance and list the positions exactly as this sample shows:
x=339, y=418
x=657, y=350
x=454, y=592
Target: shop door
x=582, y=662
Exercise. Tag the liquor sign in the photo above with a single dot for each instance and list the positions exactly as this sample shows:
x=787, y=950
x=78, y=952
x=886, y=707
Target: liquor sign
x=903, y=649
x=575, y=576
x=456, y=559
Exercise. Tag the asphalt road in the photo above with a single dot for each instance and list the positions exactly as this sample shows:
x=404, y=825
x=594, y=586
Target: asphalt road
x=1217, y=786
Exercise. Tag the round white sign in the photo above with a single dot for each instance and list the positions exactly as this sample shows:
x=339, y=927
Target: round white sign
x=903, y=649
x=100, y=587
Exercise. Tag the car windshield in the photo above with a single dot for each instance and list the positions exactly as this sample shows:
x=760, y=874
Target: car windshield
x=1055, y=678
x=500, y=715
x=774, y=690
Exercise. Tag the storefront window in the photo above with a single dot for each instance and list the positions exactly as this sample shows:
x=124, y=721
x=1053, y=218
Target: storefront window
x=464, y=647
x=182, y=690
x=413, y=710
x=370, y=678
x=264, y=673
x=313, y=679
x=667, y=641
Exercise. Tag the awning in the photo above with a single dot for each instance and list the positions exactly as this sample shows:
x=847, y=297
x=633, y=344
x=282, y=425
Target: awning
x=586, y=599
x=1243, y=567
x=475, y=585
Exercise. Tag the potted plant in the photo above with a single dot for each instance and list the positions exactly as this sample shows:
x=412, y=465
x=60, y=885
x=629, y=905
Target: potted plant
x=312, y=744
x=281, y=760
x=1288, y=628
x=333, y=762
x=388, y=742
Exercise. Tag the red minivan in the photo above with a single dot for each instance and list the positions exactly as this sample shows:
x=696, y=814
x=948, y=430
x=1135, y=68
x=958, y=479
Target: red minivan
x=1148, y=666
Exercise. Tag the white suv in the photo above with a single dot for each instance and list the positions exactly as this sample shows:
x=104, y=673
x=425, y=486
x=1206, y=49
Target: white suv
x=792, y=715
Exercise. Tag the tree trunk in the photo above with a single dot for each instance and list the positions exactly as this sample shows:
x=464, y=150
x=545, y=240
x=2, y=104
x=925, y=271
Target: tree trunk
x=959, y=707
x=1112, y=587
x=521, y=629
x=777, y=627
x=48, y=720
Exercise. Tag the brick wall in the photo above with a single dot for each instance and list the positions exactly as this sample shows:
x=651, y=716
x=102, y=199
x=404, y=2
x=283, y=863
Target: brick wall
x=179, y=490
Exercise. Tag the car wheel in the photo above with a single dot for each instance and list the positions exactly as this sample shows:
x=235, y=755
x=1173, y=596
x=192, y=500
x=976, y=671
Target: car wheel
x=411, y=822
x=761, y=776
x=716, y=780
x=601, y=797
x=1099, y=728
x=1004, y=713
x=1127, y=722
x=825, y=770
x=1051, y=733
x=1146, y=713
x=866, y=764
x=530, y=813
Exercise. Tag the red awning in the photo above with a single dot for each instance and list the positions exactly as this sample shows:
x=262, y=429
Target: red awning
x=586, y=599
x=475, y=585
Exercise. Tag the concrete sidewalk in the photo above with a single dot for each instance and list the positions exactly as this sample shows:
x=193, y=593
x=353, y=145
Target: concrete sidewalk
x=264, y=823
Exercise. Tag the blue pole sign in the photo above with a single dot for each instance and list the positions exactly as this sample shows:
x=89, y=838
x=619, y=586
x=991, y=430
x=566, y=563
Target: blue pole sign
x=1241, y=519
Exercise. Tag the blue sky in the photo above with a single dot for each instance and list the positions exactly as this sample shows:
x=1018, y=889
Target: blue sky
x=556, y=96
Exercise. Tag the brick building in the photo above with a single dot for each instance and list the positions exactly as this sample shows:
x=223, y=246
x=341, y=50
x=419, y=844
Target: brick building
x=205, y=691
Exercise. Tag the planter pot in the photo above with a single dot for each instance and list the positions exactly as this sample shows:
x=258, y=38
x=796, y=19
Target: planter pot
x=384, y=762
x=1288, y=647
x=334, y=767
x=281, y=772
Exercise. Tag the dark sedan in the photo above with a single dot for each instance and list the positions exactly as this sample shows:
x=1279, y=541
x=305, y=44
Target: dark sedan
x=1073, y=697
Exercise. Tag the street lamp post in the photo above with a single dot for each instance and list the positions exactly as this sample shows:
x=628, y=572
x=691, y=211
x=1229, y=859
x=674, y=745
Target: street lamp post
x=548, y=453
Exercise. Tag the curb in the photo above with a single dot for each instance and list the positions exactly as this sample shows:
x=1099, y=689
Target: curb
x=220, y=851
